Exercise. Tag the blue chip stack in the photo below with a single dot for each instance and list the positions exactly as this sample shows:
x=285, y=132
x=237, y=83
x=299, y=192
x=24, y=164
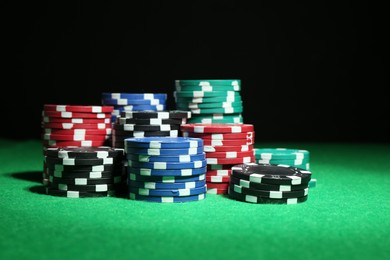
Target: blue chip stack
x=166, y=169
x=134, y=102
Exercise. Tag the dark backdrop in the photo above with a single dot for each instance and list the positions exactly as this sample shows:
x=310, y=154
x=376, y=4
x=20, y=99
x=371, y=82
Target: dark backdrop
x=309, y=72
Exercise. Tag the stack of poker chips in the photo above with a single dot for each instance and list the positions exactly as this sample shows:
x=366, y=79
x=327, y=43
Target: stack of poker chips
x=225, y=145
x=75, y=125
x=166, y=169
x=269, y=183
x=134, y=102
x=146, y=124
x=293, y=157
x=210, y=100
x=83, y=172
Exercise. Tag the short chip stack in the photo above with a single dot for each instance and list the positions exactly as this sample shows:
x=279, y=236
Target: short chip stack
x=146, y=124
x=299, y=158
x=83, y=172
x=166, y=169
x=210, y=100
x=75, y=125
x=123, y=102
x=269, y=183
x=225, y=145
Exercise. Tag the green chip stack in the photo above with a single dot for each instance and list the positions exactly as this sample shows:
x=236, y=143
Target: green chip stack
x=210, y=101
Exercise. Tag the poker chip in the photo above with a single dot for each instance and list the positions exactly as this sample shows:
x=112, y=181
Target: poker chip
x=228, y=148
x=271, y=173
x=76, y=132
x=74, y=114
x=227, y=155
x=168, y=192
x=76, y=137
x=78, y=109
x=81, y=181
x=168, y=165
x=174, y=114
x=81, y=174
x=46, y=119
x=217, y=179
x=151, y=128
x=84, y=152
x=269, y=193
x=177, y=159
x=78, y=194
x=268, y=187
x=165, y=178
x=178, y=199
x=150, y=121
x=229, y=161
x=162, y=185
x=76, y=126
x=245, y=135
x=217, y=128
x=264, y=200
x=299, y=158
x=167, y=172
x=164, y=151
x=164, y=143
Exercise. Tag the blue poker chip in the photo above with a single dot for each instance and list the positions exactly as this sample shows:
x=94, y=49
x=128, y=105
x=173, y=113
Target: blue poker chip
x=161, y=96
x=164, y=143
x=177, y=158
x=123, y=102
x=168, y=165
x=167, y=152
x=170, y=172
x=166, y=179
x=168, y=192
x=199, y=197
x=162, y=185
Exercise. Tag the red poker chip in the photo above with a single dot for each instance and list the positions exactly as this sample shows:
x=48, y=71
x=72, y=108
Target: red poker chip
x=84, y=143
x=47, y=119
x=228, y=148
x=78, y=108
x=75, y=126
x=222, y=172
x=218, y=179
x=223, y=186
x=231, y=160
x=217, y=128
x=78, y=132
x=62, y=137
x=236, y=142
x=75, y=114
x=228, y=155
x=245, y=135
x=217, y=191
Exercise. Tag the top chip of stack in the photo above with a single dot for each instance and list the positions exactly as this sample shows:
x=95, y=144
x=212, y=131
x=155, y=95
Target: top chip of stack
x=210, y=100
x=123, y=102
x=269, y=183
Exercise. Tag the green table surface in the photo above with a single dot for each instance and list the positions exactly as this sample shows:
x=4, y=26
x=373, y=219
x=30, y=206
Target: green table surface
x=347, y=215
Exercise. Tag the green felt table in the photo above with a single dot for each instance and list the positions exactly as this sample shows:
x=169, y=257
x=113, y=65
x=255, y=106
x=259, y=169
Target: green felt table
x=347, y=215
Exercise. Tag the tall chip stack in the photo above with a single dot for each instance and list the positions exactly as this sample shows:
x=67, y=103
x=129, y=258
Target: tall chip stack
x=166, y=169
x=263, y=183
x=225, y=145
x=74, y=125
x=210, y=100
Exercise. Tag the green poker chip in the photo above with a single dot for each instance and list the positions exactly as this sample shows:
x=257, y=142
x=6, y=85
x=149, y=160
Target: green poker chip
x=220, y=119
x=208, y=82
x=198, y=100
x=226, y=110
x=210, y=105
x=193, y=94
x=209, y=88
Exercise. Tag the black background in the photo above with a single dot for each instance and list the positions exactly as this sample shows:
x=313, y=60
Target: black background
x=309, y=72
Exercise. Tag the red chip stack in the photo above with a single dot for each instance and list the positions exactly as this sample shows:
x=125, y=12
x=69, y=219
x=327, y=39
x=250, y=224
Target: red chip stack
x=76, y=126
x=225, y=145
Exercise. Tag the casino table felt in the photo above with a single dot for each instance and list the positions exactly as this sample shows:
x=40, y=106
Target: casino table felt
x=346, y=216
